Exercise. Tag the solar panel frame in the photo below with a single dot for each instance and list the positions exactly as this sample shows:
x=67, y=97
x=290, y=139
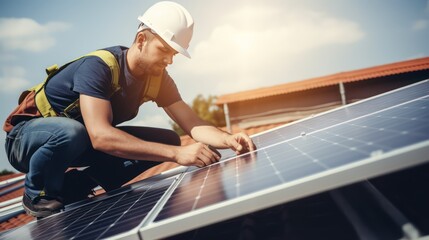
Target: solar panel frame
x=372, y=166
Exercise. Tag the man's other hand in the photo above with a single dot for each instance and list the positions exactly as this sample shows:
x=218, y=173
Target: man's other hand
x=240, y=143
x=197, y=154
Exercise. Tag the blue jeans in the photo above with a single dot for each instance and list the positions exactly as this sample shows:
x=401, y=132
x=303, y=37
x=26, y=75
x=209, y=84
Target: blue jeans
x=44, y=148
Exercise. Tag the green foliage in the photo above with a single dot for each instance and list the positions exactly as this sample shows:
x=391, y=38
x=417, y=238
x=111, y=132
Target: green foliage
x=177, y=129
x=5, y=172
x=206, y=109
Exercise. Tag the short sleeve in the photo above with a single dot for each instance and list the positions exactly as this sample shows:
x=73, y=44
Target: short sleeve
x=93, y=78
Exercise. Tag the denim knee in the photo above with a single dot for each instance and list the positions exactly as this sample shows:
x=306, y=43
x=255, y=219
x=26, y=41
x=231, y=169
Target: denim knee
x=59, y=134
x=72, y=134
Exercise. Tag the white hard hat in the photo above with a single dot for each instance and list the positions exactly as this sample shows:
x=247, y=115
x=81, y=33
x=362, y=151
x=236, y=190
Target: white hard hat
x=172, y=22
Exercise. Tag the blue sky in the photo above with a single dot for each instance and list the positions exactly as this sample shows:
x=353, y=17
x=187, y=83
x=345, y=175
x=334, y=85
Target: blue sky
x=237, y=45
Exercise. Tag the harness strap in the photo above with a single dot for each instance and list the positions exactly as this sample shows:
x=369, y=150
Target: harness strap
x=42, y=102
x=152, y=87
x=113, y=64
x=151, y=90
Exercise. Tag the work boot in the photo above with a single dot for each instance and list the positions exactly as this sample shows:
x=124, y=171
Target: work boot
x=77, y=186
x=41, y=206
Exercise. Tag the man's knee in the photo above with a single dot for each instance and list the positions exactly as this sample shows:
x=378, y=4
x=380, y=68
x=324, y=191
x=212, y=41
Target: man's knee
x=67, y=135
x=72, y=131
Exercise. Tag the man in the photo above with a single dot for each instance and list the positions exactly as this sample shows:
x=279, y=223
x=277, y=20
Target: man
x=45, y=147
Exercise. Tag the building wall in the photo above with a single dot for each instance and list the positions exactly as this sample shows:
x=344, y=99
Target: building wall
x=284, y=103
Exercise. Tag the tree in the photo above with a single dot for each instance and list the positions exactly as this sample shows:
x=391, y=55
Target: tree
x=5, y=172
x=206, y=110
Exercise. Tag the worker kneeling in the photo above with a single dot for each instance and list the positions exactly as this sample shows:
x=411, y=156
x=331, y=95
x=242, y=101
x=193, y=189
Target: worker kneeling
x=70, y=120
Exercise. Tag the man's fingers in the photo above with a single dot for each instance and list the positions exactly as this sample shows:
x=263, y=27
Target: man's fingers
x=250, y=145
x=243, y=143
x=236, y=144
x=215, y=151
x=214, y=156
x=205, y=161
x=200, y=163
x=207, y=157
x=239, y=147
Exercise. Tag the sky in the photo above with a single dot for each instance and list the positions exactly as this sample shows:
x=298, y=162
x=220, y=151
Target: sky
x=237, y=45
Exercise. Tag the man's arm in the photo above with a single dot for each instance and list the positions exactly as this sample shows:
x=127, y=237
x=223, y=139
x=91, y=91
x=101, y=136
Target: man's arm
x=97, y=115
x=203, y=132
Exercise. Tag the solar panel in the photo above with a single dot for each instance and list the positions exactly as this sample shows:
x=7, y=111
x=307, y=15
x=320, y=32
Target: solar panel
x=363, y=140
x=359, y=141
x=112, y=215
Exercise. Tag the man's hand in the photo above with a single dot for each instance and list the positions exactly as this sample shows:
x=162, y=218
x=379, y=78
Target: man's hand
x=196, y=154
x=240, y=143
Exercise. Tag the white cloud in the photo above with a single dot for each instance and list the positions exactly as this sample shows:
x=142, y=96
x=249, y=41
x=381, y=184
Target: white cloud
x=27, y=34
x=420, y=24
x=13, y=79
x=249, y=43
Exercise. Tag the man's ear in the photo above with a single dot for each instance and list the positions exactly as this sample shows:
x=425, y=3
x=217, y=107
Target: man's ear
x=141, y=40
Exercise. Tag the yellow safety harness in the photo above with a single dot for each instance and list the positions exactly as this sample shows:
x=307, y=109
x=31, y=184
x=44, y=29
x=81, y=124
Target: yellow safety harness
x=151, y=90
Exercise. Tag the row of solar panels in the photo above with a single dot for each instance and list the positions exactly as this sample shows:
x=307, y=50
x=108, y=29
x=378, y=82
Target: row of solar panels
x=351, y=144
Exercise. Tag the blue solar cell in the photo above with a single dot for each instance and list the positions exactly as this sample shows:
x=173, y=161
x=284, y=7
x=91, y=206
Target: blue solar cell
x=102, y=218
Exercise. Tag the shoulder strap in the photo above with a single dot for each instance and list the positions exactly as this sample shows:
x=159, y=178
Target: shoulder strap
x=110, y=61
x=42, y=102
x=152, y=87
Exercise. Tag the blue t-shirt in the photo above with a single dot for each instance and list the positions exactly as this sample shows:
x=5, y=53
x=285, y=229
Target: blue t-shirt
x=91, y=76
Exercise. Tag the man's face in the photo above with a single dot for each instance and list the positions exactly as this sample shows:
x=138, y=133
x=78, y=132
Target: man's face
x=156, y=56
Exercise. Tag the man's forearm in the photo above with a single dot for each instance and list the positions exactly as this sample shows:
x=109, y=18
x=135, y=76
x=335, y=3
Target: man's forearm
x=210, y=135
x=121, y=144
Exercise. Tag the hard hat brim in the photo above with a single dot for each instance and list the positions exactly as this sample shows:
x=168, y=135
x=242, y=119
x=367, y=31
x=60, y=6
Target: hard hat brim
x=178, y=48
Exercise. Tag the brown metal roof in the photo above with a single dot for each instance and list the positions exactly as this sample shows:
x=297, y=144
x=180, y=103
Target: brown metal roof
x=350, y=76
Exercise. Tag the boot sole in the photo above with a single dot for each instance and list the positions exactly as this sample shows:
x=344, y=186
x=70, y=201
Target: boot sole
x=40, y=214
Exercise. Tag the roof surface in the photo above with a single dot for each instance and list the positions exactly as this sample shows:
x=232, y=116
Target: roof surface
x=349, y=76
